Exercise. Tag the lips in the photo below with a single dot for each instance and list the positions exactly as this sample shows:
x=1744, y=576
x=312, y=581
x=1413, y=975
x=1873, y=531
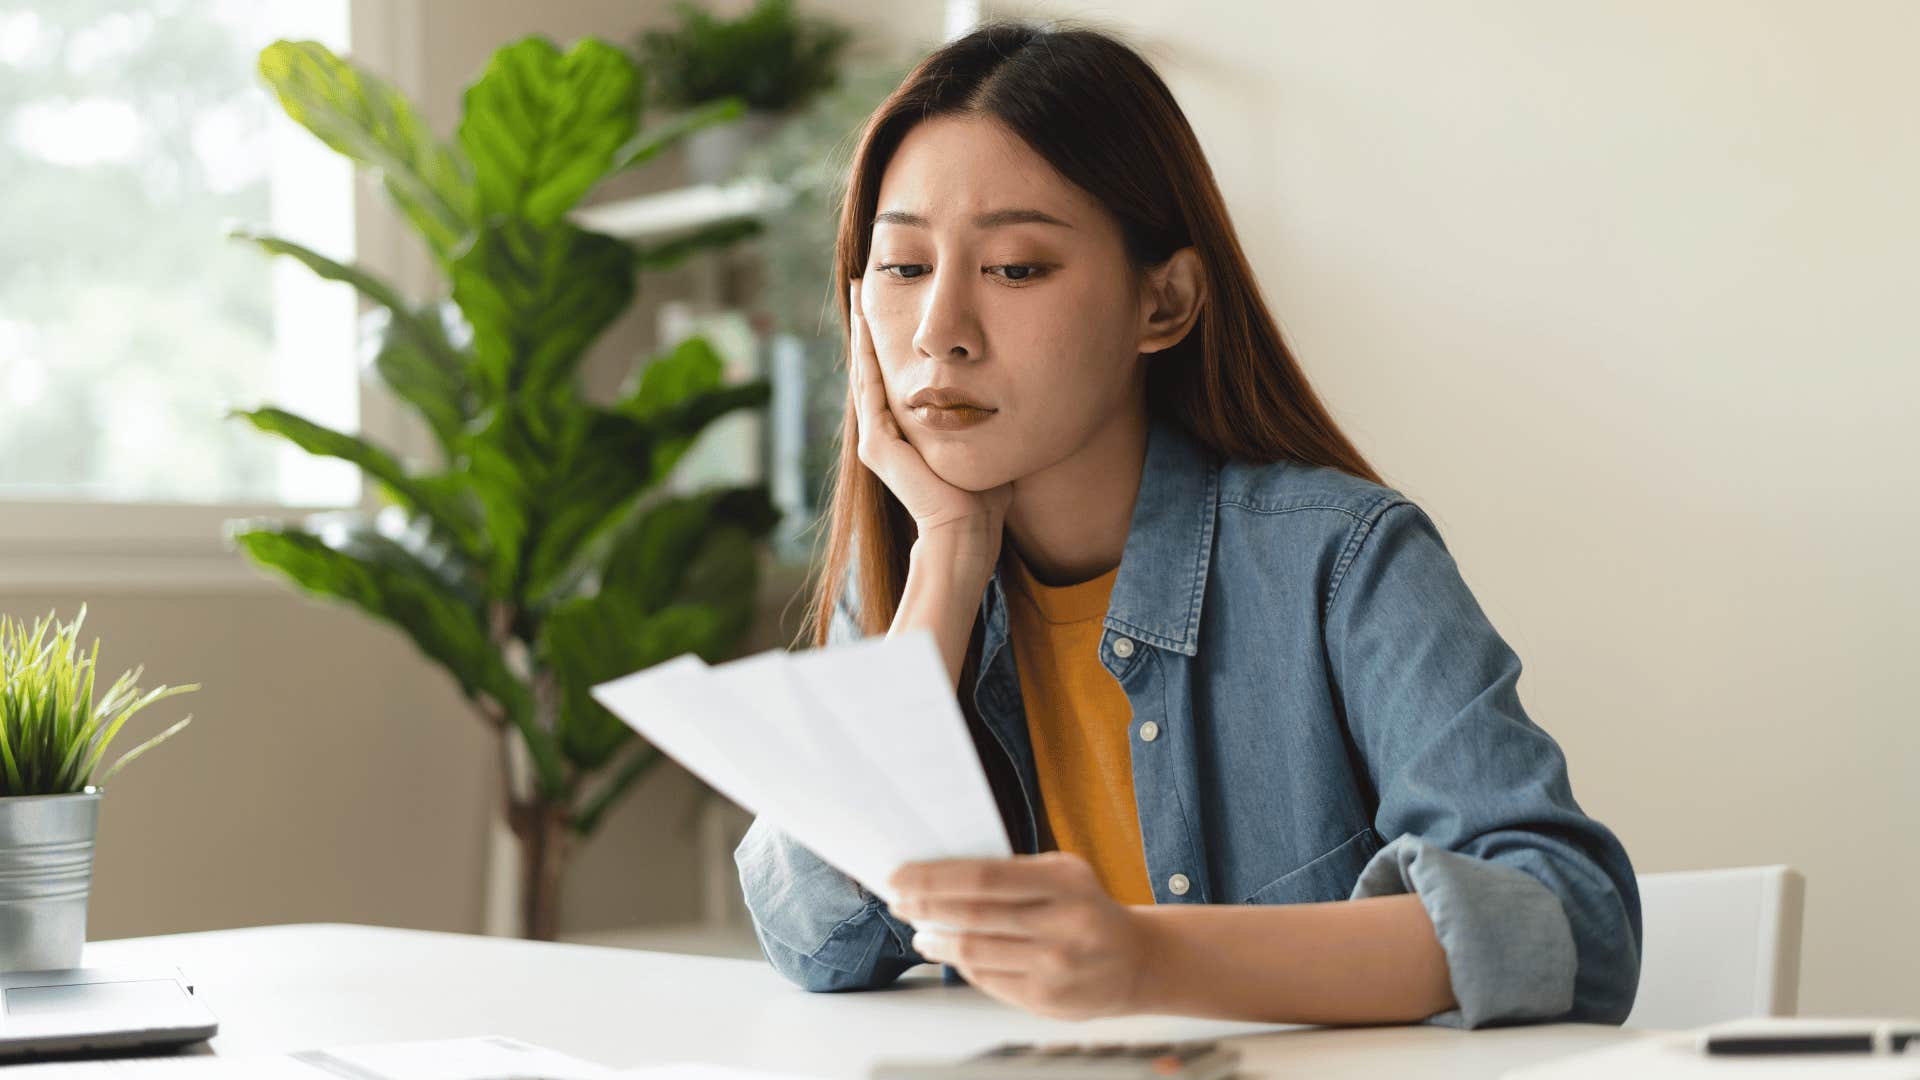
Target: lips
x=950, y=419
x=943, y=397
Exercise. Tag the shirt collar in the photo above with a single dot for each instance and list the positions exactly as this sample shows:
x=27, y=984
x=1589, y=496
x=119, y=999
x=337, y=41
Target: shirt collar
x=1163, y=569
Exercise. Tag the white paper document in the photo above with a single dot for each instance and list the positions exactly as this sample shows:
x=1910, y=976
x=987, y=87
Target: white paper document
x=487, y=1057
x=858, y=750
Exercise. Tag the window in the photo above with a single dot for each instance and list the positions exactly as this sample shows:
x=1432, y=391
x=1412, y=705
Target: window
x=133, y=133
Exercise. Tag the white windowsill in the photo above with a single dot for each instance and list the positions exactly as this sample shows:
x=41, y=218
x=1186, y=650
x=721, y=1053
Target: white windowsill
x=137, y=546
x=71, y=545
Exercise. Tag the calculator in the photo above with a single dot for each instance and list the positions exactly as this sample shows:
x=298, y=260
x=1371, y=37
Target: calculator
x=1193, y=1059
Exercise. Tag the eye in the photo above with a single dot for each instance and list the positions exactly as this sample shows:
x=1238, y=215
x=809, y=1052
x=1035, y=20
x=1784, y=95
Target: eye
x=884, y=267
x=1029, y=272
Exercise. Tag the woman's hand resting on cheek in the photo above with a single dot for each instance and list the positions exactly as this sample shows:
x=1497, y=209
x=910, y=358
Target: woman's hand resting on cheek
x=972, y=520
x=1036, y=931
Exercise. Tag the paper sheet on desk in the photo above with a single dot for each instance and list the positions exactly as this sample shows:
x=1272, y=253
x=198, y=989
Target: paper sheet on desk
x=858, y=750
x=490, y=1057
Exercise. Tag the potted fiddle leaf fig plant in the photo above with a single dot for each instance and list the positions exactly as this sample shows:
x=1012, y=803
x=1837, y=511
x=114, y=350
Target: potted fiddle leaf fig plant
x=545, y=552
x=53, y=734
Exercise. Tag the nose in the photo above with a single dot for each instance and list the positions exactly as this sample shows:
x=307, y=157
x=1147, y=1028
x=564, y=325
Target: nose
x=949, y=328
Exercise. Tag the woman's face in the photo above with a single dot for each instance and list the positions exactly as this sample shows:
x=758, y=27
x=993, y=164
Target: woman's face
x=1038, y=322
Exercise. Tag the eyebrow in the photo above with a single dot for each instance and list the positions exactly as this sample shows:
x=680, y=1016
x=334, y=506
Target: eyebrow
x=988, y=220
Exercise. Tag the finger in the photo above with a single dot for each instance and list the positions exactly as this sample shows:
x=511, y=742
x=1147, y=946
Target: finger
x=981, y=952
x=859, y=375
x=856, y=370
x=871, y=389
x=1024, y=919
x=1009, y=987
x=857, y=342
x=1021, y=877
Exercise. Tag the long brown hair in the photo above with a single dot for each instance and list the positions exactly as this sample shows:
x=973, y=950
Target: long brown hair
x=1101, y=116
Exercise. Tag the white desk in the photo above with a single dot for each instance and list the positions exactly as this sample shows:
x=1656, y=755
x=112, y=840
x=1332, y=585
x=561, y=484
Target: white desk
x=283, y=988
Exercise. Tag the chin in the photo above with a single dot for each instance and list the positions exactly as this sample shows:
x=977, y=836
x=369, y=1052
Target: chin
x=966, y=468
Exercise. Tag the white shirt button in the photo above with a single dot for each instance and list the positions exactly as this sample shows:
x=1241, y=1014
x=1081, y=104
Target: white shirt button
x=1178, y=884
x=1123, y=647
x=1149, y=731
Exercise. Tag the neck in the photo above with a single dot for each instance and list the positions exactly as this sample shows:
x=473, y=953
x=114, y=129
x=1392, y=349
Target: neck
x=1069, y=521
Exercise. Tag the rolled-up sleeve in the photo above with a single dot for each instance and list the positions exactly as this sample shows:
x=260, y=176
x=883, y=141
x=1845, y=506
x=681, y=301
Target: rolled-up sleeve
x=817, y=926
x=1534, y=902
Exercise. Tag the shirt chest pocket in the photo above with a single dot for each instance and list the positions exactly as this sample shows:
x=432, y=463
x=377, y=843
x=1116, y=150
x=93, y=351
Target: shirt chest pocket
x=1328, y=876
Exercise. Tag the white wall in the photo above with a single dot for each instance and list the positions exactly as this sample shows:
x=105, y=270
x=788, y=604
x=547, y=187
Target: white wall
x=1622, y=294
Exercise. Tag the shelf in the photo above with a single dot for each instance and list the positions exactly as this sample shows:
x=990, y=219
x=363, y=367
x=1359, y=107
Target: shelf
x=664, y=213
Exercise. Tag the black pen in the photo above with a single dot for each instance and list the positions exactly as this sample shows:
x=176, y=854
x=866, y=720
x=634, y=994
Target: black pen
x=1812, y=1036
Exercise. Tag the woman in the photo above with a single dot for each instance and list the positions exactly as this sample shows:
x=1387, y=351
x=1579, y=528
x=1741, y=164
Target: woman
x=1260, y=751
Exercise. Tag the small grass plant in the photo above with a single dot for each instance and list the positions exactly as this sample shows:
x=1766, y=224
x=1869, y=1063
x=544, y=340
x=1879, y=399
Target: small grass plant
x=52, y=731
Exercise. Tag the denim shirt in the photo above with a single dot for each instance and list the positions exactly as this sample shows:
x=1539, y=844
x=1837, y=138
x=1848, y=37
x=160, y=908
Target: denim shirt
x=1320, y=711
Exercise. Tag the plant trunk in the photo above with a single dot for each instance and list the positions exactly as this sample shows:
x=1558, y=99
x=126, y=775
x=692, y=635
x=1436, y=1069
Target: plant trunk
x=545, y=844
x=541, y=826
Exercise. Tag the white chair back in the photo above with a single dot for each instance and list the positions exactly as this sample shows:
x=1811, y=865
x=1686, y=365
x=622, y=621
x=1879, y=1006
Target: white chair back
x=1719, y=945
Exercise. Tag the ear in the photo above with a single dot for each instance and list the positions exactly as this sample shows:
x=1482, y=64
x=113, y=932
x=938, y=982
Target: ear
x=1170, y=300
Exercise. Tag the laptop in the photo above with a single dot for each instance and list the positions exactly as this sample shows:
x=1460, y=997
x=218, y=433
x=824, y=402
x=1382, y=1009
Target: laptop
x=76, y=1010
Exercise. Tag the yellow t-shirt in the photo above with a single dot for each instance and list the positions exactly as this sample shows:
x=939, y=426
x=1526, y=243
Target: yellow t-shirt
x=1078, y=719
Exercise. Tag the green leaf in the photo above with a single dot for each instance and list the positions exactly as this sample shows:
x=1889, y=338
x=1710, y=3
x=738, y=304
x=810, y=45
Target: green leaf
x=100, y=731
x=671, y=253
x=693, y=366
x=677, y=428
x=362, y=280
x=724, y=579
x=343, y=555
x=602, y=471
x=414, y=360
x=144, y=747
x=724, y=574
x=505, y=470
x=541, y=128
x=364, y=117
x=649, y=144
x=411, y=351
x=454, y=569
x=680, y=393
x=536, y=298
x=682, y=577
x=650, y=559
x=589, y=640
x=695, y=413
x=442, y=503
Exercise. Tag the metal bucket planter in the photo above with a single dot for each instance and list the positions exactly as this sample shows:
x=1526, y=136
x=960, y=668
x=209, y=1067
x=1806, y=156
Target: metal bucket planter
x=46, y=867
